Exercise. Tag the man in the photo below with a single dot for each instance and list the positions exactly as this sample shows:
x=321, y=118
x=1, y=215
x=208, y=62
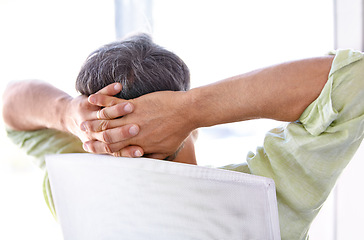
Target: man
x=136, y=64
x=304, y=158
x=49, y=115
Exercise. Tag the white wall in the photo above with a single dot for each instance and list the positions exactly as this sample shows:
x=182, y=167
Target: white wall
x=46, y=40
x=220, y=39
x=349, y=195
x=217, y=39
x=349, y=24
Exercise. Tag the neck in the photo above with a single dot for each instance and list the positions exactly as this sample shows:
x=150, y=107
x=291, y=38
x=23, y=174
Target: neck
x=187, y=153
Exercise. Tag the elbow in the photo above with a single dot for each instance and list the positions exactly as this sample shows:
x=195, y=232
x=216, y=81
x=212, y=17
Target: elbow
x=10, y=101
x=7, y=104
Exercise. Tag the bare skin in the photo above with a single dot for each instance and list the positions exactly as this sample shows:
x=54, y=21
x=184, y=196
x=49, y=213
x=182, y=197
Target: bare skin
x=157, y=124
x=166, y=119
x=43, y=106
x=62, y=112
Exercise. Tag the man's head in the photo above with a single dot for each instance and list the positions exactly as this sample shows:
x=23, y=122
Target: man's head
x=140, y=65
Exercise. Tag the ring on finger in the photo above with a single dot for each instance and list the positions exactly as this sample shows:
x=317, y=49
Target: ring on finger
x=98, y=114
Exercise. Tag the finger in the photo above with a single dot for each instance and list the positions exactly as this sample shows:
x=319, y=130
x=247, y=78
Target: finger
x=101, y=125
x=96, y=147
x=115, y=111
x=113, y=149
x=111, y=89
x=157, y=156
x=130, y=151
x=104, y=100
x=115, y=135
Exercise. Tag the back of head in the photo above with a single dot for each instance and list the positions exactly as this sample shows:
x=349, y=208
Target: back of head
x=140, y=65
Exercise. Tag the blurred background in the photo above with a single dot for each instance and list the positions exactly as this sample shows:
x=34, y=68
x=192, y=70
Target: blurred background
x=49, y=40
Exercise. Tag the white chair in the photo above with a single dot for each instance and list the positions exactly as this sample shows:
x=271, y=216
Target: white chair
x=103, y=197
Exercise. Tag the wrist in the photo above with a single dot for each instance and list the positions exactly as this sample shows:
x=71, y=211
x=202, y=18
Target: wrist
x=61, y=106
x=184, y=107
x=196, y=109
x=217, y=104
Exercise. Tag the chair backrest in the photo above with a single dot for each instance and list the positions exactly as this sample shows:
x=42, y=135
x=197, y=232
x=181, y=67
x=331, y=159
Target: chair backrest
x=104, y=197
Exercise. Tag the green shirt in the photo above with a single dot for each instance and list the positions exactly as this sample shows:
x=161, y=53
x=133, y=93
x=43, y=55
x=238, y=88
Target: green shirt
x=42, y=142
x=305, y=158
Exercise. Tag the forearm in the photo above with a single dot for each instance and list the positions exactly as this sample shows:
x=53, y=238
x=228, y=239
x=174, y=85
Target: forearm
x=30, y=105
x=280, y=92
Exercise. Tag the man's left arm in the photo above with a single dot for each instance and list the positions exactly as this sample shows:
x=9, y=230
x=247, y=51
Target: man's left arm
x=33, y=105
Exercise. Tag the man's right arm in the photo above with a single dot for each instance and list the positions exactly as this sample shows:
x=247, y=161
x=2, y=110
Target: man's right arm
x=33, y=105
x=281, y=92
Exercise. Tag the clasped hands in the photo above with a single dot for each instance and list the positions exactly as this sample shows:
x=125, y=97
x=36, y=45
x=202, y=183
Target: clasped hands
x=152, y=125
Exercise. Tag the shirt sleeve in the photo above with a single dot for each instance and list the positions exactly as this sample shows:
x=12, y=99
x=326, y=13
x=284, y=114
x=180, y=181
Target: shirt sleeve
x=305, y=158
x=45, y=141
x=42, y=142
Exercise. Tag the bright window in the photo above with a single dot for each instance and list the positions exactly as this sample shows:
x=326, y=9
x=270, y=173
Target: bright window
x=49, y=40
x=220, y=39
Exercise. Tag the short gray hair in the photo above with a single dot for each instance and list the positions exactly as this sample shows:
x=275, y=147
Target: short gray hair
x=140, y=65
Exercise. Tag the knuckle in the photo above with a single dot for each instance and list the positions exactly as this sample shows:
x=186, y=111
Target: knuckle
x=86, y=137
x=125, y=152
x=87, y=126
x=107, y=149
x=80, y=103
x=101, y=113
x=122, y=133
x=105, y=115
x=116, y=154
x=91, y=147
x=120, y=111
x=112, y=102
x=104, y=124
x=113, y=147
x=106, y=137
